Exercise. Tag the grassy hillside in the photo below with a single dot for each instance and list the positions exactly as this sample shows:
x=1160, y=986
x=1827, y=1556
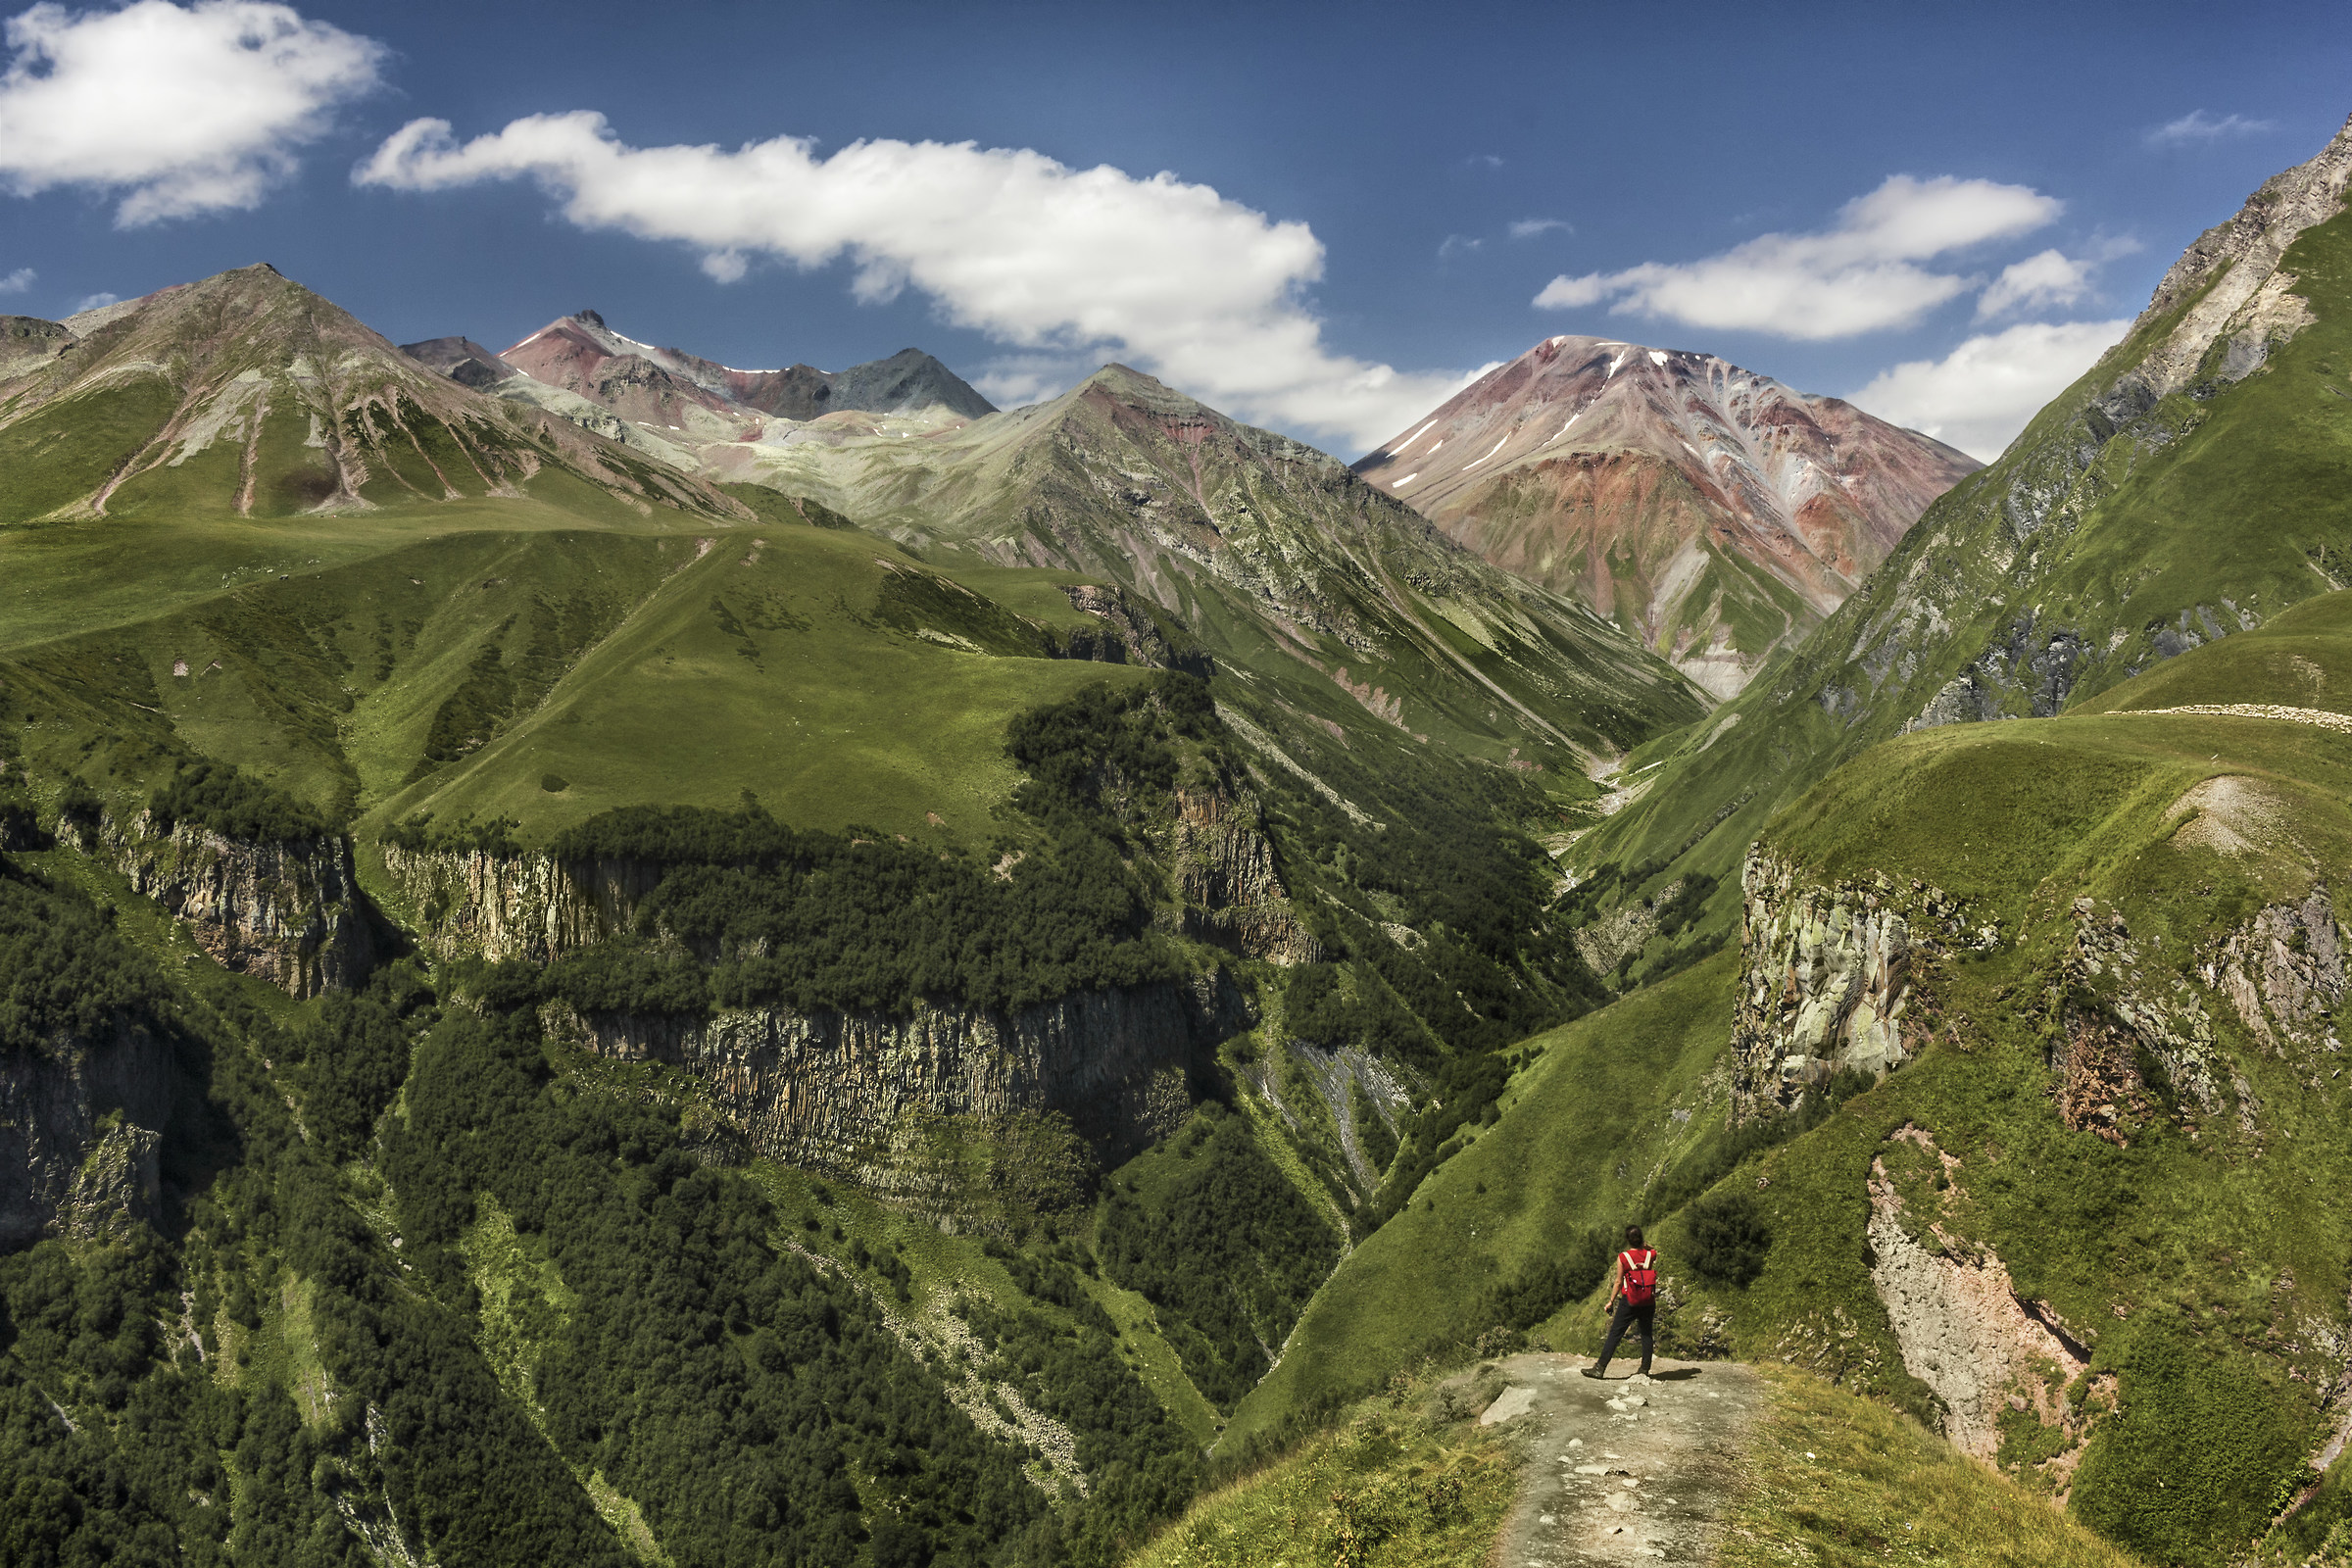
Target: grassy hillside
x=2112, y=535
x=1583, y=1127
x=2180, y=1235
x=1832, y=1479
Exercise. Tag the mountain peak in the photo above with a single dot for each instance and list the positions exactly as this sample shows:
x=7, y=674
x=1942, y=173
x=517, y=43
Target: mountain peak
x=590, y=316
x=1711, y=511
x=1126, y=384
x=211, y=397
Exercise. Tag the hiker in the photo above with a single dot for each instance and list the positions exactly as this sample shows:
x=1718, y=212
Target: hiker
x=1636, y=1301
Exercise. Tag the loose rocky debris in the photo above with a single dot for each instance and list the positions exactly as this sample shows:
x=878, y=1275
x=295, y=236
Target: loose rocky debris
x=1623, y=1470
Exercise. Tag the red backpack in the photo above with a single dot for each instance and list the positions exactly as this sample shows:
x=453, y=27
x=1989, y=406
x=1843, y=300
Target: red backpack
x=1639, y=1273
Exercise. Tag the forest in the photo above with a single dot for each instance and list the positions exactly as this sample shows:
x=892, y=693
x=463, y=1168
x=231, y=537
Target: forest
x=305, y=1355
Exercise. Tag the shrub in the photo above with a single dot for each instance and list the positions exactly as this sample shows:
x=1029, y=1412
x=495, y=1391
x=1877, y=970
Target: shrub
x=1727, y=1238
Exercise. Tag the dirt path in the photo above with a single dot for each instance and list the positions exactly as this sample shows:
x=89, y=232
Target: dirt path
x=1623, y=1470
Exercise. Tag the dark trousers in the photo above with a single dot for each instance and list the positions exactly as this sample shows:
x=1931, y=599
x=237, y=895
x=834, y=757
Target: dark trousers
x=1628, y=1312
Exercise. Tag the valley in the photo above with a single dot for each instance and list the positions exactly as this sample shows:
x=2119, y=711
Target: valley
x=608, y=958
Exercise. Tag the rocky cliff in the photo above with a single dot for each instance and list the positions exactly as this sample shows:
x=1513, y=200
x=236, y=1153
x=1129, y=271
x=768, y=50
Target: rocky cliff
x=1225, y=875
x=79, y=1132
x=289, y=911
x=1825, y=978
x=516, y=906
x=851, y=1093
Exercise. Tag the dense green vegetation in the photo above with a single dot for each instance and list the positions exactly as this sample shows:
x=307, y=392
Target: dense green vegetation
x=1227, y=1250
x=216, y=797
x=808, y=919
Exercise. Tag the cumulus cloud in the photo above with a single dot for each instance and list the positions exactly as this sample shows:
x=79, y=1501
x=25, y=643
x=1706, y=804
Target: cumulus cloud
x=1202, y=291
x=92, y=302
x=1979, y=396
x=1530, y=227
x=185, y=110
x=2200, y=126
x=2039, y=281
x=1862, y=275
x=17, y=281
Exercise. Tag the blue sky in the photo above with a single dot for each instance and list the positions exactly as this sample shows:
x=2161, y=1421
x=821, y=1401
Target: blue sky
x=1828, y=194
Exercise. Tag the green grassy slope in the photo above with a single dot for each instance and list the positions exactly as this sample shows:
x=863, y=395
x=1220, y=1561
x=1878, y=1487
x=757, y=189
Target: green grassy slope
x=2198, y=1255
x=1584, y=1128
x=2108, y=537
x=451, y=665
x=1341, y=601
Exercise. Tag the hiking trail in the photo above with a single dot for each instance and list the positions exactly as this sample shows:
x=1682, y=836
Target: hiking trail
x=1622, y=1470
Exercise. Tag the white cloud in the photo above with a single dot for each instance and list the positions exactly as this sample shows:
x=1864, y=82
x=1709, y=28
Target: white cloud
x=1979, y=396
x=1530, y=227
x=1453, y=245
x=2035, y=283
x=1202, y=291
x=186, y=109
x=1011, y=380
x=91, y=301
x=2200, y=126
x=17, y=281
x=1860, y=275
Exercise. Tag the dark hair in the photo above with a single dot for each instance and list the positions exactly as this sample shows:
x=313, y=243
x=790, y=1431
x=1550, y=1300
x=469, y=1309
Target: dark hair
x=1633, y=1235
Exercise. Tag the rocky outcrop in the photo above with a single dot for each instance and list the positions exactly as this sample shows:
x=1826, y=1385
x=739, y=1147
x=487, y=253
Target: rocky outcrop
x=1224, y=872
x=1962, y=1328
x=840, y=1091
x=287, y=910
x=517, y=906
x=2283, y=972
x=1129, y=633
x=1825, y=978
x=77, y=1134
x=2238, y=304
x=2137, y=1008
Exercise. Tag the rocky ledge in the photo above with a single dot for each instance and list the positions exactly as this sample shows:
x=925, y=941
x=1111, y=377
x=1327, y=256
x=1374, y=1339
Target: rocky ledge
x=288, y=910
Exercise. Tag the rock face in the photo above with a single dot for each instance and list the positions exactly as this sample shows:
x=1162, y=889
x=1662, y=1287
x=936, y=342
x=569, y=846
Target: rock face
x=27, y=343
x=533, y=906
x=1225, y=874
x=77, y=1134
x=1711, y=512
x=517, y=906
x=835, y=1092
x=2284, y=972
x=290, y=911
x=2242, y=299
x=1826, y=975
x=1961, y=1325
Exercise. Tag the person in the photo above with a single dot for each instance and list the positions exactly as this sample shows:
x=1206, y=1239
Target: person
x=1636, y=1301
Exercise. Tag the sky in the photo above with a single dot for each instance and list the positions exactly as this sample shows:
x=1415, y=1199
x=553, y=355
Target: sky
x=1321, y=218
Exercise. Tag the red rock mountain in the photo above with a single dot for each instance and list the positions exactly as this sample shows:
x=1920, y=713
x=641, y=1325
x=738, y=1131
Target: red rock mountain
x=1711, y=512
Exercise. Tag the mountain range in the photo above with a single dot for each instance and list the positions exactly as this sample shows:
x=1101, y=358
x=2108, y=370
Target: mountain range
x=612, y=959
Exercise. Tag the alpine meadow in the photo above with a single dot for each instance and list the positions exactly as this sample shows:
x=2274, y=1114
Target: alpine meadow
x=967, y=960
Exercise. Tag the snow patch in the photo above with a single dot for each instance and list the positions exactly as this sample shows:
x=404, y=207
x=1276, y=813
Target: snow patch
x=1408, y=479
x=1656, y=357
x=1399, y=449
x=1467, y=466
